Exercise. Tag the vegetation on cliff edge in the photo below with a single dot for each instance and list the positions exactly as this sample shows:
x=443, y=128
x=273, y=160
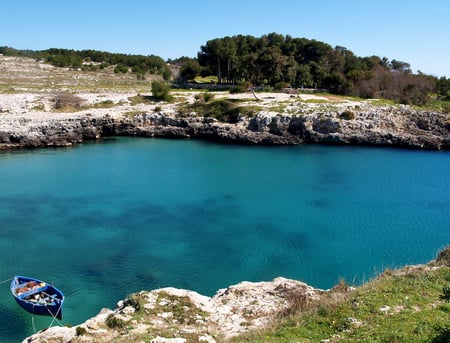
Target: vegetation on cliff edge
x=405, y=305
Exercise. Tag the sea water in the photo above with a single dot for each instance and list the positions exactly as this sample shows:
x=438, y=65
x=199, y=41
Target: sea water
x=101, y=221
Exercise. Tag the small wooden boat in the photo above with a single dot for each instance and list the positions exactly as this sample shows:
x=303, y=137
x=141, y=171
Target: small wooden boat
x=37, y=297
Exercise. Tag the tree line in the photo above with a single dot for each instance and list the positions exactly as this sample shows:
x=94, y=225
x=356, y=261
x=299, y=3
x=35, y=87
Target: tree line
x=272, y=60
x=283, y=61
x=93, y=59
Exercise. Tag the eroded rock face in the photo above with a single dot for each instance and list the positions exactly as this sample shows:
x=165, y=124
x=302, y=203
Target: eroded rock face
x=186, y=314
x=370, y=126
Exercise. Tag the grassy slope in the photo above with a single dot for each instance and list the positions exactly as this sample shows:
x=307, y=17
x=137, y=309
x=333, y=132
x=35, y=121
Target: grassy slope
x=406, y=305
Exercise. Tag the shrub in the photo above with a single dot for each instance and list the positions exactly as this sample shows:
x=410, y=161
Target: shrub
x=443, y=257
x=140, y=76
x=121, y=68
x=445, y=294
x=242, y=87
x=133, y=300
x=223, y=110
x=64, y=100
x=347, y=115
x=113, y=322
x=80, y=331
x=206, y=97
x=167, y=74
x=298, y=301
x=446, y=108
x=161, y=90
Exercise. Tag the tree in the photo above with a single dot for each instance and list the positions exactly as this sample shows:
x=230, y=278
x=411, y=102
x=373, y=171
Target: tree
x=161, y=90
x=399, y=66
x=190, y=68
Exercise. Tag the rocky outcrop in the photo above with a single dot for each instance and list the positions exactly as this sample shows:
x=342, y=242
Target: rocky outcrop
x=387, y=126
x=188, y=316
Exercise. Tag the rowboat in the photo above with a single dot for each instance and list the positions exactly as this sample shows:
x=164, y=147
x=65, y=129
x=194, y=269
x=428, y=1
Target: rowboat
x=37, y=297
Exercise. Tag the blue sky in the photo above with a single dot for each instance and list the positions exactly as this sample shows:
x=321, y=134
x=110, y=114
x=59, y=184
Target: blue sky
x=414, y=31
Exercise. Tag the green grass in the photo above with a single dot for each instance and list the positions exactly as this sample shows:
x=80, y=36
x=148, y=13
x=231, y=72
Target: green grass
x=206, y=79
x=398, y=306
x=224, y=110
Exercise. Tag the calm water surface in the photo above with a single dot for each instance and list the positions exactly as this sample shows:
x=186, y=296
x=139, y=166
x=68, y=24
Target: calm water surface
x=103, y=220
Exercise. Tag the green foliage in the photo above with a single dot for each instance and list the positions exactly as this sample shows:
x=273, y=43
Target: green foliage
x=204, y=96
x=280, y=61
x=75, y=58
x=121, y=68
x=134, y=300
x=223, y=110
x=114, y=323
x=241, y=87
x=161, y=90
x=190, y=68
x=208, y=96
x=398, y=306
x=347, y=115
x=443, y=257
x=139, y=99
x=166, y=74
x=181, y=307
x=80, y=331
x=445, y=294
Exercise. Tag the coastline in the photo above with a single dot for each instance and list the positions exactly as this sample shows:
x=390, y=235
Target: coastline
x=27, y=121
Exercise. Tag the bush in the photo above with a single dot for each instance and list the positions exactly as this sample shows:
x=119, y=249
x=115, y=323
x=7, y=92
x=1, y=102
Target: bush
x=167, y=74
x=443, y=257
x=134, y=300
x=161, y=90
x=445, y=294
x=205, y=97
x=347, y=115
x=121, y=68
x=446, y=108
x=80, y=331
x=297, y=301
x=66, y=100
x=223, y=110
x=113, y=322
x=242, y=87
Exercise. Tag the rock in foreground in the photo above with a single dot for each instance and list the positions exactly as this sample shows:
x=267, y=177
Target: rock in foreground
x=176, y=315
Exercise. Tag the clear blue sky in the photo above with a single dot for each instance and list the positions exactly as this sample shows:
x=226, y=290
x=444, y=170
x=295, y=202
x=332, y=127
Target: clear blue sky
x=413, y=31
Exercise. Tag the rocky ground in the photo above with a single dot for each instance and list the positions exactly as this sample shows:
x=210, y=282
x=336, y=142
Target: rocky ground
x=177, y=316
x=108, y=107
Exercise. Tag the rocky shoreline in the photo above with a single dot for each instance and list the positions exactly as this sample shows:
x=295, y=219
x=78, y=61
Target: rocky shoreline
x=189, y=316
x=361, y=123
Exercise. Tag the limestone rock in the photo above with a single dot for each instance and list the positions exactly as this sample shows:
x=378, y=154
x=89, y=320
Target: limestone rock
x=230, y=312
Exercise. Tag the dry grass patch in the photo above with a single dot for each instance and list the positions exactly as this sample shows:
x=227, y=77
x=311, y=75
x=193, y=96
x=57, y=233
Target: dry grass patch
x=67, y=102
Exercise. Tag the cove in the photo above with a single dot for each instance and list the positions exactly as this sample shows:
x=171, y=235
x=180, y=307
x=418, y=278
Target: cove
x=101, y=221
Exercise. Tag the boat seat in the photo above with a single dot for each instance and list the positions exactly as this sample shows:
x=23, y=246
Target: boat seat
x=33, y=291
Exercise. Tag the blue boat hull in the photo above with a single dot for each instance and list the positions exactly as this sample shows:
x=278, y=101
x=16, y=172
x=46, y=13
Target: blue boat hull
x=37, y=297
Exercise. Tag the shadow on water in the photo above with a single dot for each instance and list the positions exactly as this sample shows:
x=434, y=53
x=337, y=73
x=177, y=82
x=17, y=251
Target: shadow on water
x=320, y=204
x=15, y=324
x=298, y=242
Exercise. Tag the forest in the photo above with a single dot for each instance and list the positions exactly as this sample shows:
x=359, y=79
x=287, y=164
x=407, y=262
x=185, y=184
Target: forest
x=93, y=59
x=270, y=61
x=283, y=61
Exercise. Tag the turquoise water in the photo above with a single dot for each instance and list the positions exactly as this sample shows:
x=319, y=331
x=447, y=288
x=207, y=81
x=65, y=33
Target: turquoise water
x=103, y=220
